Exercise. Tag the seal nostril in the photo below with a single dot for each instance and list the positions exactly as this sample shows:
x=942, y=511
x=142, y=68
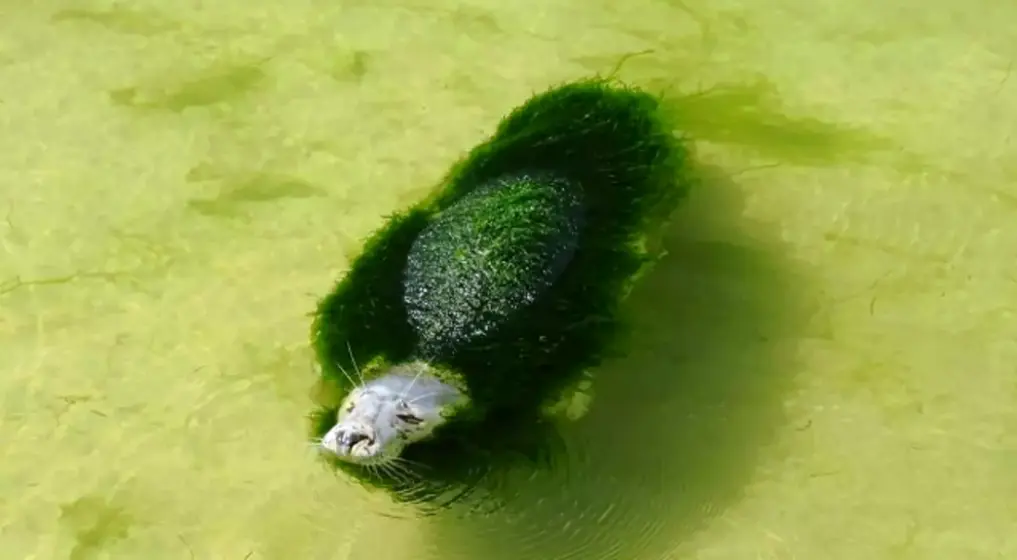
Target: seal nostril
x=357, y=438
x=349, y=439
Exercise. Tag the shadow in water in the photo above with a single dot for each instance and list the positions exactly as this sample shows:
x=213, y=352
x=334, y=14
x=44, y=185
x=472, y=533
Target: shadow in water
x=676, y=423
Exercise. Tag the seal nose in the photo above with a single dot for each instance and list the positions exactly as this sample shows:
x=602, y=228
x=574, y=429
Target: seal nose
x=349, y=437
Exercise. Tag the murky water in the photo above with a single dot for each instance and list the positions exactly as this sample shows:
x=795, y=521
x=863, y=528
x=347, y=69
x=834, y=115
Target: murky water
x=824, y=365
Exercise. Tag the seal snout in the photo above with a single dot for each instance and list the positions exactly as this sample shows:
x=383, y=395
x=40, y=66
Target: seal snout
x=351, y=440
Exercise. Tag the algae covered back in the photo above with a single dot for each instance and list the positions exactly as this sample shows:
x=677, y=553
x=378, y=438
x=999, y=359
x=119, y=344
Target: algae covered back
x=491, y=254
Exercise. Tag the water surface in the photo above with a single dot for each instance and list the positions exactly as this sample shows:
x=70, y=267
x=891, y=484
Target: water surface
x=824, y=365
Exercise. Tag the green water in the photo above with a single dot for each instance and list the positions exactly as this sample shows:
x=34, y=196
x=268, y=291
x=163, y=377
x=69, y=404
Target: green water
x=826, y=366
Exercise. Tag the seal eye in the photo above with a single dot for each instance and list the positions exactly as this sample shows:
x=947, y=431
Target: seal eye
x=409, y=418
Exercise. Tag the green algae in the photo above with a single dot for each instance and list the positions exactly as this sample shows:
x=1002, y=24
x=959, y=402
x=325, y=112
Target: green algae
x=492, y=253
x=608, y=163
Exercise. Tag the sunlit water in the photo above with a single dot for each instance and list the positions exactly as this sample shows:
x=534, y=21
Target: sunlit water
x=822, y=367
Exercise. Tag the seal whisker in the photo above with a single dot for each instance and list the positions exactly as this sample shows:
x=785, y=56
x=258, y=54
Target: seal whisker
x=318, y=446
x=405, y=475
x=411, y=475
x=396, y=473
x=353, y=361
x=347, y=374
x=390, y=470
x=420, y=372
x=409, y=464
x=424, y=396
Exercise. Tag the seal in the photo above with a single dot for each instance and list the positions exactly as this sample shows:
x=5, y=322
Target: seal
x=483, y=306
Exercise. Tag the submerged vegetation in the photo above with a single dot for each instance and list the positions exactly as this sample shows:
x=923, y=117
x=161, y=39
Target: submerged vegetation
x=567, y=196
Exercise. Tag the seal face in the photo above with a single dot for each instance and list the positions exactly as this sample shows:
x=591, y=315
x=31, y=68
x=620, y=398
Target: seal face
x=385, y=414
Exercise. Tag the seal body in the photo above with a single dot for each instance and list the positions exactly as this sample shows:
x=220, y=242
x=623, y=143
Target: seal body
x=500, y=289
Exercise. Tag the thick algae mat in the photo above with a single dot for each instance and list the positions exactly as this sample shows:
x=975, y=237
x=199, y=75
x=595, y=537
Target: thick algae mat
x=826, y=361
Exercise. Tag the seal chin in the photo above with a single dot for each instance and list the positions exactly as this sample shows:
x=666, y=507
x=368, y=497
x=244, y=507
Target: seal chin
x=363, y=453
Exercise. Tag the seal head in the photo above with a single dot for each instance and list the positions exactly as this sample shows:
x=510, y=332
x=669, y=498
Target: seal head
x=379, y=418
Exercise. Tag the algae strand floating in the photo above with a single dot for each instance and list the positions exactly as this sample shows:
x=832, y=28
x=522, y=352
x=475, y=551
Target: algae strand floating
x=500, y=288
